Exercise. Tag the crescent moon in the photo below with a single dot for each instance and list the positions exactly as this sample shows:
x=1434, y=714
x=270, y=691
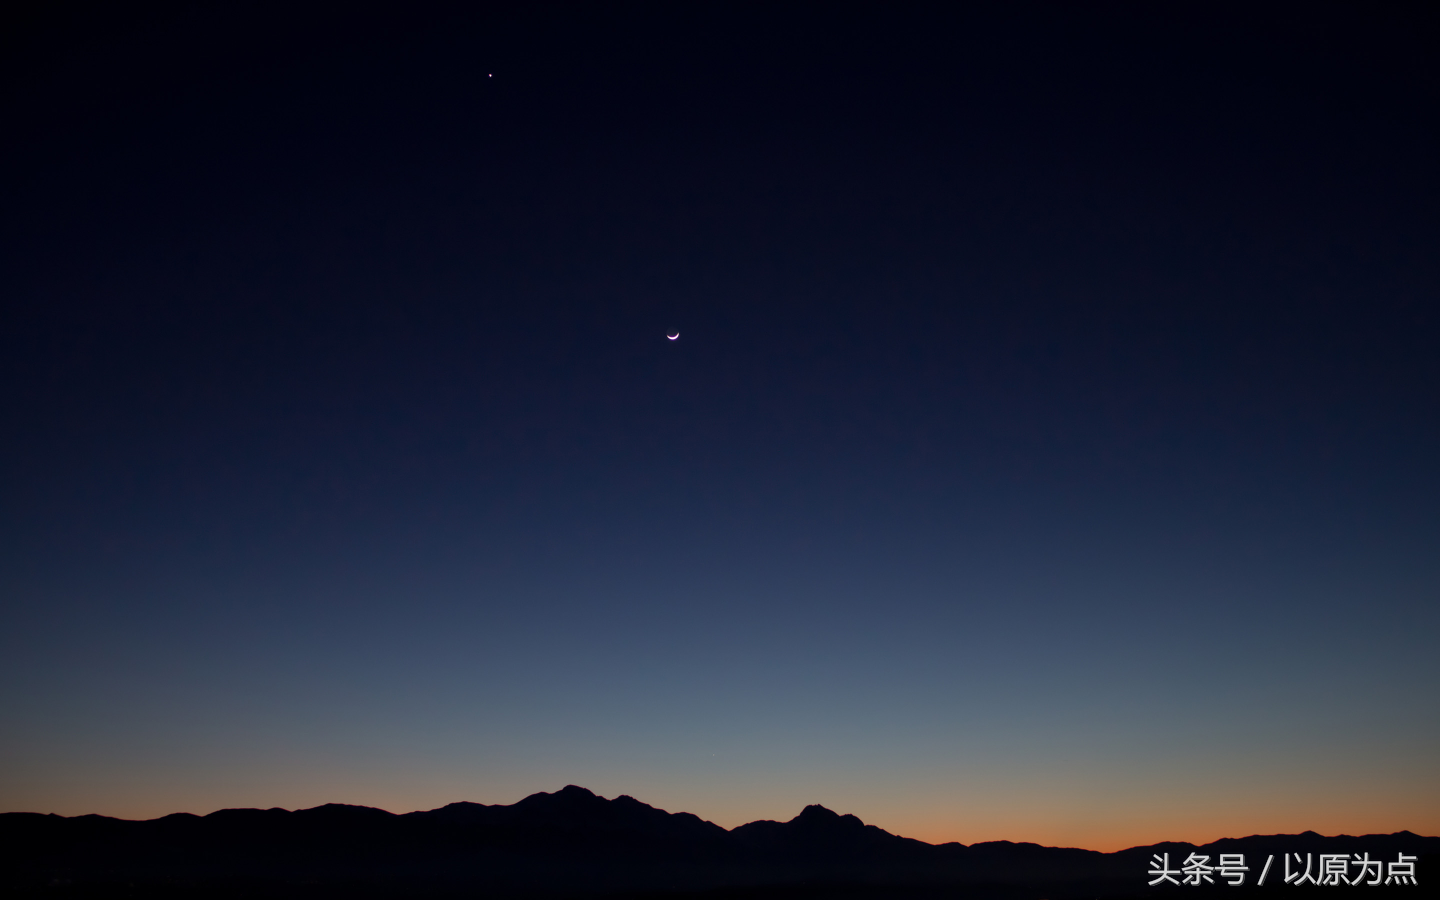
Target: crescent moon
x=674, y=336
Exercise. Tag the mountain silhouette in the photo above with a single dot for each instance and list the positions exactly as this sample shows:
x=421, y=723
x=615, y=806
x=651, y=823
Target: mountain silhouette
x=573, y=843
x=820, y=832
x=575, y=808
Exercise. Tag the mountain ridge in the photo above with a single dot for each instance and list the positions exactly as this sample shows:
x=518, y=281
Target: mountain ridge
x=807, y=816
x=573, y=842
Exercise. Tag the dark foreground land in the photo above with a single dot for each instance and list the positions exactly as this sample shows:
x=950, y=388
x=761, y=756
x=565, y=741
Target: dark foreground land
x=573, y=844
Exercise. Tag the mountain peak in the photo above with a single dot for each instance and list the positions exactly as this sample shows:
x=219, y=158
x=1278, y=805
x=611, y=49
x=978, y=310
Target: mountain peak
x=816, y=816
x=343, y=810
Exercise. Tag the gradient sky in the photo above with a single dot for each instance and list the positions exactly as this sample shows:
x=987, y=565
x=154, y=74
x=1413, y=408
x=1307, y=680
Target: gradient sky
x=1049, y=452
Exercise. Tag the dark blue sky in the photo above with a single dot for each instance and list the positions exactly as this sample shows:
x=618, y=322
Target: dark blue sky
x=1052, y=426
